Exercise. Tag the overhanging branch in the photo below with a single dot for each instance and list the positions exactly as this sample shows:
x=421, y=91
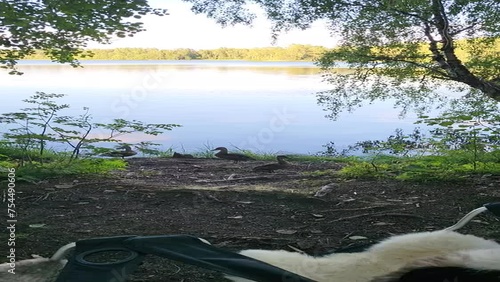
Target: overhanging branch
x=448, y=60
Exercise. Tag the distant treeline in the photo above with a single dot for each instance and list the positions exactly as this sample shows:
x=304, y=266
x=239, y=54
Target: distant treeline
x=294, y=52
x=291, y=53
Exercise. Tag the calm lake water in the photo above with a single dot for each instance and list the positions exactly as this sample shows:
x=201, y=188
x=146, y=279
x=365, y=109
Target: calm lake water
x=266, y=107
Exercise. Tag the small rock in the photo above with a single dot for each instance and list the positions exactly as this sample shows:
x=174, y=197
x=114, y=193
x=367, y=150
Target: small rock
x=382, y=223
x=38, y=225
x=325, y=190
x=358, y=238
x=244, y=202
x=286, y=231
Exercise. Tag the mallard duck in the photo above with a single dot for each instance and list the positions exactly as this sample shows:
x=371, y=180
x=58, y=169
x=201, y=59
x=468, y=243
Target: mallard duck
x=223, y=154
x=126, y=152
x=272, y=167
x=182, y=156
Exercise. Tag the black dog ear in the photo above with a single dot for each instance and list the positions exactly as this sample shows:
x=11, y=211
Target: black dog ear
x=479, y=265
x=493, y=208
x=444, y=274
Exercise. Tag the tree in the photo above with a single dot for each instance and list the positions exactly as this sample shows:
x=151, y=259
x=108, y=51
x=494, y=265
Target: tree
x=398, y=49
x=62, y=28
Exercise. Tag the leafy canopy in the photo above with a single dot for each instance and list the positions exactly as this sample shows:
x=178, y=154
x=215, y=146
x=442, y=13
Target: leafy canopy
x=398, y=49
x=62, y=28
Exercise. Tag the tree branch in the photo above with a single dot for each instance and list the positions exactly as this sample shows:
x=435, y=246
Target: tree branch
x=462, y=29
x=449, y=61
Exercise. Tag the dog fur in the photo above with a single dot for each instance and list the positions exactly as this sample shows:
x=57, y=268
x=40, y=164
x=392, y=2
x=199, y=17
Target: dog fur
x=389, y=256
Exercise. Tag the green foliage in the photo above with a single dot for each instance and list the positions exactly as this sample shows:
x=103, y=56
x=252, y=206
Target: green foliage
x=40, y=116
x=31, y=129
x=54, y=164
x=62, y=28
x=402, y=50
x=121, y=126
x=60, y=168
x=363, y=170
x=452, y=167
x=471, y=125
x=397, y=145
x=463, y=142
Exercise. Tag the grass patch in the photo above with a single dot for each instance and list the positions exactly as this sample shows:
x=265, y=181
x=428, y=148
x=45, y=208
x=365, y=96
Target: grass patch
x=36, y=171
x=455, y=166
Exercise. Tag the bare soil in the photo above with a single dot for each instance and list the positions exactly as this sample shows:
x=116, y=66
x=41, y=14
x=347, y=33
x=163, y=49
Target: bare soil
x=235, y=208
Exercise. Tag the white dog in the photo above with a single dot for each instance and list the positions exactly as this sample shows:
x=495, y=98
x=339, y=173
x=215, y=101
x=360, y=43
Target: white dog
x=404, y=252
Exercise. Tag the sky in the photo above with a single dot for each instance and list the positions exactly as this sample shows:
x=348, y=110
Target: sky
x=183, y=29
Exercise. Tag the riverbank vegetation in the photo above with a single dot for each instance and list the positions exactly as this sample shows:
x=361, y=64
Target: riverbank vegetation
x=43, y=142
x=294, y=52
x=402, y=51
x=463, y=143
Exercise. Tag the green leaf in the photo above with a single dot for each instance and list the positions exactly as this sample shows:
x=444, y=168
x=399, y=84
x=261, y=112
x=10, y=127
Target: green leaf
x=446, y=123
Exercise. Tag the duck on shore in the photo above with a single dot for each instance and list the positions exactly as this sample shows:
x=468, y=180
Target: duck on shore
x=126, y=151
x=182, y=156
x=223, y=154
x=275, y=166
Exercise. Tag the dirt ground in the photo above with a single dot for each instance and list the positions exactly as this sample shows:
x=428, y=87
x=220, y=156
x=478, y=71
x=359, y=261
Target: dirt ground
x=235, y=208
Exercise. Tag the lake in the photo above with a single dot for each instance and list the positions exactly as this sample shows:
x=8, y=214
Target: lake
x=267, y=107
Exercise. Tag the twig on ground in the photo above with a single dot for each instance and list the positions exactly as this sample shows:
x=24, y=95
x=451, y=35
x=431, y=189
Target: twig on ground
x=44, y=197
x=233, y=179
x=296, y=249
x=178, y=269
x=401, y=214
x=373, y=215
x=357, y=209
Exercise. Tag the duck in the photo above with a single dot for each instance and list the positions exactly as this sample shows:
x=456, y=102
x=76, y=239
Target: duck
x=125, y=152
x=223, y=154
x=272, y=167
x=182, y=156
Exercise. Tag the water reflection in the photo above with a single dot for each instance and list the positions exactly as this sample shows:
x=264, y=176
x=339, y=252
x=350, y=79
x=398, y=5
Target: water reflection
x=268, y=107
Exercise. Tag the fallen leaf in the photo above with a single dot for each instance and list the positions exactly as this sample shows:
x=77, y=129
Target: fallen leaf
x=358, y=238
x=286, y=232
x=325, y=190
x=38, y=225
x=244, y=202
x=382, y=223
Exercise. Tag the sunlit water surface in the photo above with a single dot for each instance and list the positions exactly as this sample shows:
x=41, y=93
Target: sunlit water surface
x=263, y=107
